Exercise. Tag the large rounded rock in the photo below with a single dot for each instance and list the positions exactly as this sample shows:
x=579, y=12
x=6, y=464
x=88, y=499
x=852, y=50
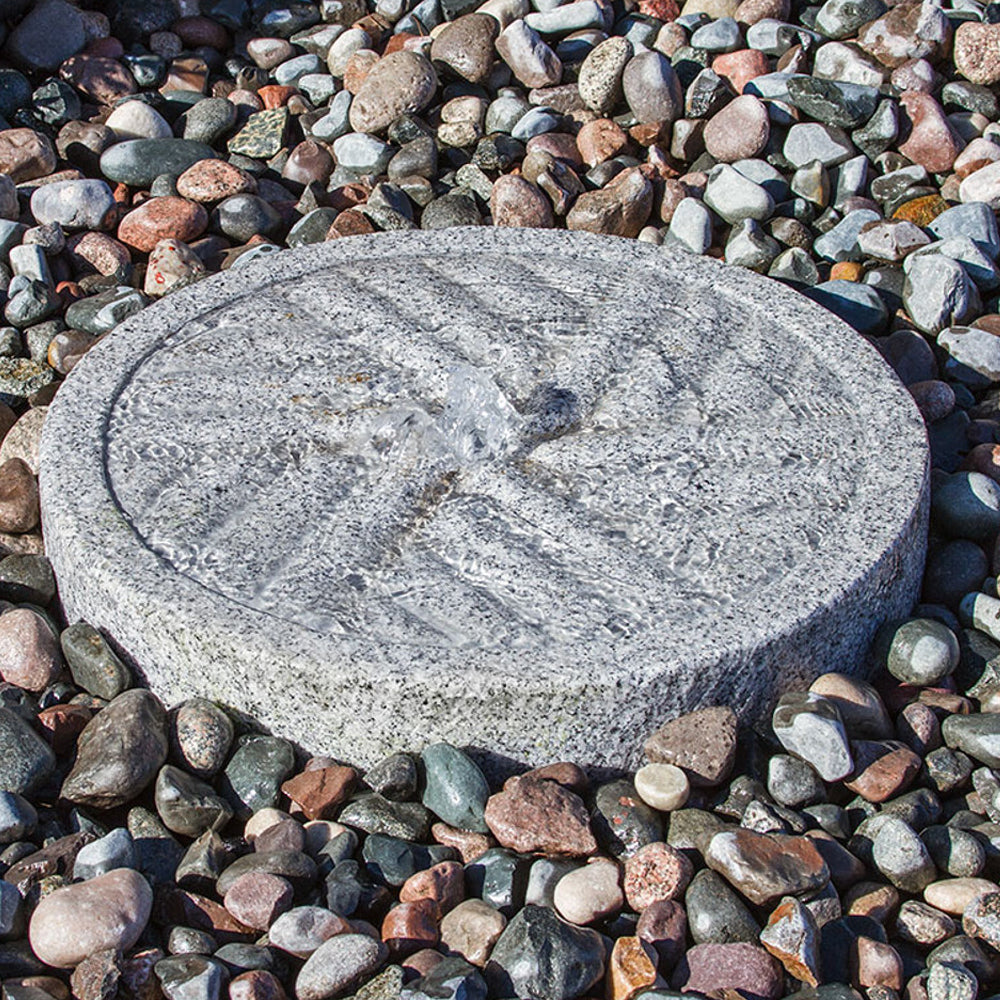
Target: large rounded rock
x=107, y=913
x=400, y=83
x=119, y=752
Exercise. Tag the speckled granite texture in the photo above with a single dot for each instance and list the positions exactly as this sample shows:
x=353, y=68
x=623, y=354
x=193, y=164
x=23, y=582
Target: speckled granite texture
x=529, y=492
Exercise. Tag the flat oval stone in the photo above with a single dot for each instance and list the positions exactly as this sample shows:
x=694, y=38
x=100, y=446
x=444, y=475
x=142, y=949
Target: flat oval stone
x=430, y=544
x=138, y=162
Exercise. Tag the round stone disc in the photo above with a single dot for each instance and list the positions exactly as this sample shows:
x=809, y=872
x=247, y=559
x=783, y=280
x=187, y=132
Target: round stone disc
x=529, y=492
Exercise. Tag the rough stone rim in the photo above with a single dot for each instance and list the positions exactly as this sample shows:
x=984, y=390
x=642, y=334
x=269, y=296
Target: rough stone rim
x=73, y=449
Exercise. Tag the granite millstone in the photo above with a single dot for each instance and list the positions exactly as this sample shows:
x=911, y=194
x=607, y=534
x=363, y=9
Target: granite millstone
x=459, y=477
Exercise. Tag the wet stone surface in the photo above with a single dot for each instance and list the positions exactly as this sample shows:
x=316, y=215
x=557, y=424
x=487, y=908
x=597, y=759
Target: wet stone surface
x=483, y=464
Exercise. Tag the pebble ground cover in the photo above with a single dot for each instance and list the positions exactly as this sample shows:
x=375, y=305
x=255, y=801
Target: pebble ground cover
x=851, y=150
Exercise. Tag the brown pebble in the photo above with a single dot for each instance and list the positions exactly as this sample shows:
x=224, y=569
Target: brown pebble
x=350, y=223
x=60, y=725
x=443, y=884
x=213, y=180
x=321, y=793
x=469, y=845
x=97, y=977
x=256, y=899
x=102, y=79
x=286, y=835
x=932, y=142
x=162, y=218
x=67, y=348
x=540, y=816
x=739, y=131
x=25, y=154
x=471, y=929
x=871, y=899
x=600, y=140
x=516, y=202
x=882, y=769
x=18, y=497
x=631, y=969
x=29, y=651
x=702, y=743
x=421, y=962
x=875, y=964
x=197, y=31
x=740, y=67
x=409, y=927
x=257, y=984
x=664, y=926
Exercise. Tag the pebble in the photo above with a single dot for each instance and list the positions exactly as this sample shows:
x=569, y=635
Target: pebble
x=621, y=208
x=138, y=162
x=920, y=651
x=19, y=511
x=338, y=964
x=27, y=760
x=253, y=776
x=600, y=81
x=530, y=59
x=739, y=131
x=454, y=788
x=172, y=264
x=162, y=219
x=810, y=727
x=663, y=786
x=655, y=873
x=78, y=204
x=107, y=912
x=25, y=154
x=735, y=197
x=119, y=753
x=113, y=851
x=300, y=931
x=701, y=743
x=539, y=955
x=764, y=868
x=975, y=48
x=137, y=120
x=399, y=83
x=739, y=966
x=464, y=47
x=900, y=855
x=257, y=899
x=29, y=651
x=471, y=929
x=532, y=814
x=187, y=805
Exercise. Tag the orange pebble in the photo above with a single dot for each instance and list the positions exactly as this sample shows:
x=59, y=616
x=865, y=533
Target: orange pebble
x=846, y=270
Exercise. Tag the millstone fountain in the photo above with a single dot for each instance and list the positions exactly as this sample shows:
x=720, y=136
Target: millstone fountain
x=528, y=492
